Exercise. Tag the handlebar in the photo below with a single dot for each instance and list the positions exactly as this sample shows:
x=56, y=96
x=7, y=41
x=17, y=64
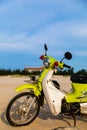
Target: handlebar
x=67, y=66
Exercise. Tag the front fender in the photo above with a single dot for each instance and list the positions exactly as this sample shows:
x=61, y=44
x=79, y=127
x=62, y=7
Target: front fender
x=32, y=87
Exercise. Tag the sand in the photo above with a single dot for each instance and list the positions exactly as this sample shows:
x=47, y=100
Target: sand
x=45, y=120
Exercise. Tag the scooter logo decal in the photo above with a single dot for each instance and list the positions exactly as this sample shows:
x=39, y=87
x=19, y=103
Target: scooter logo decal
x=84, y=95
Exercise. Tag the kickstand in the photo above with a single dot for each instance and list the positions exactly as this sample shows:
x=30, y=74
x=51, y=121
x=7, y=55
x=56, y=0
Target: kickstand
x=74, y=117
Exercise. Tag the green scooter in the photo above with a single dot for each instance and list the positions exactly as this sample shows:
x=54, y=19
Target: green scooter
x=24, y=107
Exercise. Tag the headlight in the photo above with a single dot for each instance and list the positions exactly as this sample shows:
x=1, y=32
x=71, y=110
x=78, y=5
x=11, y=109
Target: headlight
x=46, y=62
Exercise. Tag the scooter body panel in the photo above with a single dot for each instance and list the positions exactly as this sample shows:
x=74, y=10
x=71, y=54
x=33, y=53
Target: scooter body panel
x=52, y=94
x=79, y=93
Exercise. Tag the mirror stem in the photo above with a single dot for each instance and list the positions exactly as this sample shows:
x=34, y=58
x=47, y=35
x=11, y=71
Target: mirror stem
x=45, y=53
x=62, y=59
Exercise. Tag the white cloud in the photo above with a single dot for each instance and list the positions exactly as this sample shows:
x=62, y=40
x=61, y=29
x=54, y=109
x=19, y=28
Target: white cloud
x=57, y=35
x=78, y=30
x=32, y=28
x=80, y=53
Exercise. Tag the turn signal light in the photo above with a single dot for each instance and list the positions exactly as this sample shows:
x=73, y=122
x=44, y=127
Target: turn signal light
x=56, y=63
x=42, y=57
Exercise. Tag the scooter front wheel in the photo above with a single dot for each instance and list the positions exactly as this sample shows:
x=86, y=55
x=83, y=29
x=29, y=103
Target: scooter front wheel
x=22, y=109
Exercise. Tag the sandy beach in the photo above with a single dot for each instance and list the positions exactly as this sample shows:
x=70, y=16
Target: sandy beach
x=45, y=119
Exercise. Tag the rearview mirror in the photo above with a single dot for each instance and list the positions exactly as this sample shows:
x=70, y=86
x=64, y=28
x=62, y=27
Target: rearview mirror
x=68, y=55
x=45, y=47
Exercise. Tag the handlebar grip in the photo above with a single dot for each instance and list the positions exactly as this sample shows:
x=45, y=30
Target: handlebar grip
x=67, y=66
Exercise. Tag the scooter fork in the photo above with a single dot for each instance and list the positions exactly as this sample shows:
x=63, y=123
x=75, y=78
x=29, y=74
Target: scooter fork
x=27, y=111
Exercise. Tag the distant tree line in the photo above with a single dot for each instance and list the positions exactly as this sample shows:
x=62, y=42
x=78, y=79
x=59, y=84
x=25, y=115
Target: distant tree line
x=17, y=72
x=24, y=72
x=71, y=71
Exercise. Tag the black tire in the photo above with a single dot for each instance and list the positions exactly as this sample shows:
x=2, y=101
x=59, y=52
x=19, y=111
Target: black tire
x=17, y=109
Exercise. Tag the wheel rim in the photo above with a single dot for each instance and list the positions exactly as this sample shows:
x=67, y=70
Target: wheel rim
x=24, y=109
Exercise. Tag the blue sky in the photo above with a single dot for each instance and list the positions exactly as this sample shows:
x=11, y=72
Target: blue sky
x=25, y=25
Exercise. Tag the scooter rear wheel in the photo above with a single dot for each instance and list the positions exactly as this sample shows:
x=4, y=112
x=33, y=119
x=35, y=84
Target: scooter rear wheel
x=22, y=109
